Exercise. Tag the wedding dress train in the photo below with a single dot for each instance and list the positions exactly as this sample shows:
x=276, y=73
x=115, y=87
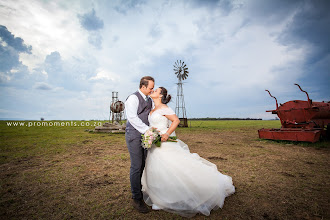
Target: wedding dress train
x=178, y=181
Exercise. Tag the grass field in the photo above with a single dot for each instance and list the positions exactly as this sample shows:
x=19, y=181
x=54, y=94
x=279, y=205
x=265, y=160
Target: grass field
x=63, y=172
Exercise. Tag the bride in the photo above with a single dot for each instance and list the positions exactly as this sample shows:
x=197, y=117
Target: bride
x=174, y=179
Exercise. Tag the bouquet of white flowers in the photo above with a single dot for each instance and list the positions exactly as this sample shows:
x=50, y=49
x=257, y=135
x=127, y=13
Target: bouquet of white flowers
x=152, y=136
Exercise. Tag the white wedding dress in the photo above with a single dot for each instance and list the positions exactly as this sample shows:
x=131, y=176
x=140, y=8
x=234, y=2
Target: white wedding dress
x=178, y=181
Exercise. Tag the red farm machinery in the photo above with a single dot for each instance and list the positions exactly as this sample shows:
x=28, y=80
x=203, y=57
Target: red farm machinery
x=301, y=120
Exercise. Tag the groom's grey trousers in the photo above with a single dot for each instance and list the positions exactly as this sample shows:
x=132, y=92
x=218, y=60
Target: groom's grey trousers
x=137, y=153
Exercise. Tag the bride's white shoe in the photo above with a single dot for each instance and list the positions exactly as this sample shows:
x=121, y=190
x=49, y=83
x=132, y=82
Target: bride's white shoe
x=154, y=207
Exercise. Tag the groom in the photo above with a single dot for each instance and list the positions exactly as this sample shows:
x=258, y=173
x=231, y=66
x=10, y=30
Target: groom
x=137, y=106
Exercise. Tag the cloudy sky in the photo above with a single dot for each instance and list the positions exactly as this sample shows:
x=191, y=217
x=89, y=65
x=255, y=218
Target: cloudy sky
x=62, y=59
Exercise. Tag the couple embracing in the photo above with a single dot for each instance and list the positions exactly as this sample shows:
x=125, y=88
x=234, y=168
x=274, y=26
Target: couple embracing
x=168, y=177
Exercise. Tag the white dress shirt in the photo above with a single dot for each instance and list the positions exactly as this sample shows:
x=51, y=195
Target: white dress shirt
x=131, y=107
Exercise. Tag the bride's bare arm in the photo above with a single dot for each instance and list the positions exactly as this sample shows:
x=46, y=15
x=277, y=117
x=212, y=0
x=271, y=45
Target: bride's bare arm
x=175, y=122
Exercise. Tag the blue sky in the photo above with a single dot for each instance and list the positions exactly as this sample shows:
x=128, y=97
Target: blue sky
x=62, y=59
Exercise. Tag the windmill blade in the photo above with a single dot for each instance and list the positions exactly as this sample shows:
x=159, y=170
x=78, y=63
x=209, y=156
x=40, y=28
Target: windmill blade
x=180, y=70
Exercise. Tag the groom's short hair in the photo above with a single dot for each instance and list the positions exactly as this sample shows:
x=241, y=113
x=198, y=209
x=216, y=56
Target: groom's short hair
x=145, y=81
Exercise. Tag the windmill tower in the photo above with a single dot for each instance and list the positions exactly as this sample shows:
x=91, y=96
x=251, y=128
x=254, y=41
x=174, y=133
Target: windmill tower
x=181, y=71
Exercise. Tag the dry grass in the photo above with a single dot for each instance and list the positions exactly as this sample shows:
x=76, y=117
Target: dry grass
x=90, y=178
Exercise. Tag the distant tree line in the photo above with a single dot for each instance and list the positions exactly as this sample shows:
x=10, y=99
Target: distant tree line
x=212, y=119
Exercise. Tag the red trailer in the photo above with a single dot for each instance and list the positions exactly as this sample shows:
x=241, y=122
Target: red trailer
x=301, y=120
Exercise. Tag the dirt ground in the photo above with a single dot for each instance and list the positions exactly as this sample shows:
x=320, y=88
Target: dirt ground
x=90, y=180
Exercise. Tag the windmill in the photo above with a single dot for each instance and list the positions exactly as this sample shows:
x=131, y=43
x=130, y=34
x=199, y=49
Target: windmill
x=181, y=71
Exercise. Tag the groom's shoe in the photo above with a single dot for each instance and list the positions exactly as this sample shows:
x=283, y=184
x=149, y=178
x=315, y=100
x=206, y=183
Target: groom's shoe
x=140, y=206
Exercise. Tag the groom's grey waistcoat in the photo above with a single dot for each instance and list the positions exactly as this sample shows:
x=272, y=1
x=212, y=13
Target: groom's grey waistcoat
x=143, y=111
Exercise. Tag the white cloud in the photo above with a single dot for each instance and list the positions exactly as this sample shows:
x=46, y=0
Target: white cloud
x=105, y=75
x=46, y=26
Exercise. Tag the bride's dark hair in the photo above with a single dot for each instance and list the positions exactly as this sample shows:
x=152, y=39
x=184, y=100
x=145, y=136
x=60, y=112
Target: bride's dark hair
x=165, y=98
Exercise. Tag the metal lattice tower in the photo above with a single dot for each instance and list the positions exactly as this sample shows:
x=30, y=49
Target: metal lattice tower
x=181, y=70
x=114, y=97
x=114, y=100
x=180, y=109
